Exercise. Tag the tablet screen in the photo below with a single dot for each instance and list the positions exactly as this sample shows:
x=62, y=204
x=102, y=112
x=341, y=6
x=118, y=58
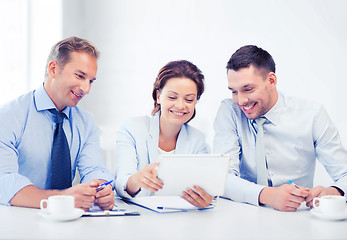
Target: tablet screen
x=178, y=172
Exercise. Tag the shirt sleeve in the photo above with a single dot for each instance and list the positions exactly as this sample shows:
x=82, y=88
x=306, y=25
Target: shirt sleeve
x=125, y=159
x=90, y=160
x=329, y=150
x=11, y=181
x=226, y=141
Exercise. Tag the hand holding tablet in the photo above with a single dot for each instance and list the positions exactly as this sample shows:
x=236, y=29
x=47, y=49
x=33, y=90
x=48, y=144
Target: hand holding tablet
x=197, y=196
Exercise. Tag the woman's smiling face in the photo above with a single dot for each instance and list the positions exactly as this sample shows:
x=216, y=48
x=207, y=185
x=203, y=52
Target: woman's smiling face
x=177, y=100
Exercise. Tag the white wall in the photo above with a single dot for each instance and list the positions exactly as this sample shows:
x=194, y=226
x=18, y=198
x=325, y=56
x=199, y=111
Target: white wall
x=44, y=30
x=13, y=49
x=306, y=38
x=29, y=29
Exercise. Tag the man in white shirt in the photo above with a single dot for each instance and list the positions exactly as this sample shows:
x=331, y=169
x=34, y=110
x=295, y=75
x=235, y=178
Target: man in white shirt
x=296, y=133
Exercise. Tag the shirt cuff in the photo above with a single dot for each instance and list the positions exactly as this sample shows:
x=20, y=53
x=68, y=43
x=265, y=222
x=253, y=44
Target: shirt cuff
x=98, y=174
x=241, y=190
x=340, y=190
x=121, y=183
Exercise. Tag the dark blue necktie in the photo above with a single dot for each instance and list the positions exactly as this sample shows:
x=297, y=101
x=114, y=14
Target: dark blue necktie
x=61, y=161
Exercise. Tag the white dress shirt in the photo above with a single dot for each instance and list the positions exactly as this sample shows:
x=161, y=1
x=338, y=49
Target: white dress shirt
x=296, y=133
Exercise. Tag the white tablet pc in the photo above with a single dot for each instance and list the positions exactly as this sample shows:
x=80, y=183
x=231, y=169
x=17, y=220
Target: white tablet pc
x=177, y=171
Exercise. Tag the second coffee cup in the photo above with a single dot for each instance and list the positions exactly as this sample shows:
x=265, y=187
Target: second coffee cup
x=330, y=204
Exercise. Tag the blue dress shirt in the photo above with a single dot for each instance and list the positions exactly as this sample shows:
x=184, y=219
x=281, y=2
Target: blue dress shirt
x=296, y=133
x=137, y=146
x=26, y=138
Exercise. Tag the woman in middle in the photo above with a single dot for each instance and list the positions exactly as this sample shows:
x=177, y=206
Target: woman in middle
x=141, y=140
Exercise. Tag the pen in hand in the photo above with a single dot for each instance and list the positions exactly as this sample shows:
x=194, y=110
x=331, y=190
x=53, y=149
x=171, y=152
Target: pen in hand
x=292, y=183
x=102, y=186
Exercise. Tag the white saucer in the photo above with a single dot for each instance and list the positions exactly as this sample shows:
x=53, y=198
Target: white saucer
x=340, y=216
x=74, y=215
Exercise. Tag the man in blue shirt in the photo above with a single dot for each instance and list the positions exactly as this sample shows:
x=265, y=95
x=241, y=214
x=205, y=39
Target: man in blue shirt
x=27, y=127
x=296, y=133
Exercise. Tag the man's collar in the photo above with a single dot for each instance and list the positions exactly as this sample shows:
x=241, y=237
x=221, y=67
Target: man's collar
x=274, y=114
x=44, y=102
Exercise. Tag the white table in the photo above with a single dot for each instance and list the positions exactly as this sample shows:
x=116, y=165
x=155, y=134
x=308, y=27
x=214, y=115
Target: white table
x=228, y=220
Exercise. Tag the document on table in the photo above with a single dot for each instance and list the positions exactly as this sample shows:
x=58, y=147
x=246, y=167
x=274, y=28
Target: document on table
x=165, y=204
x=117, y=210
x=110, y=213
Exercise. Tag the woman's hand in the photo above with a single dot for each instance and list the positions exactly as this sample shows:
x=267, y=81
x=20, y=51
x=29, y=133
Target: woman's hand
x=145, y=178
x=198, y=197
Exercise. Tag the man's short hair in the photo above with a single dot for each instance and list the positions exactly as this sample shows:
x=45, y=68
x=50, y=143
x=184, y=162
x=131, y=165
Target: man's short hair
x=249, y=55
x=61, y=51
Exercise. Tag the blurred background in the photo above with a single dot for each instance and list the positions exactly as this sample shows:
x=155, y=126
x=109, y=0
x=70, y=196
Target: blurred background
x=307, y=39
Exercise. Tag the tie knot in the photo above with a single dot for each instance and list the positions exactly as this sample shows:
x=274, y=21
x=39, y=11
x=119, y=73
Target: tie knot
x=58, y=116
x=260, y=121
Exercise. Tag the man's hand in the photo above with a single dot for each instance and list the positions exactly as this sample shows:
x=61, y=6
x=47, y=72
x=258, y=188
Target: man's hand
x=105, y=197
x=284, y=198
x=198, y=197
x=84, y=195
x=145, y=178
x=318, y=192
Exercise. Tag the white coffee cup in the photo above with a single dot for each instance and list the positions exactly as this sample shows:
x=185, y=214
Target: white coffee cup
x=330, y=204
x=59, y=205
